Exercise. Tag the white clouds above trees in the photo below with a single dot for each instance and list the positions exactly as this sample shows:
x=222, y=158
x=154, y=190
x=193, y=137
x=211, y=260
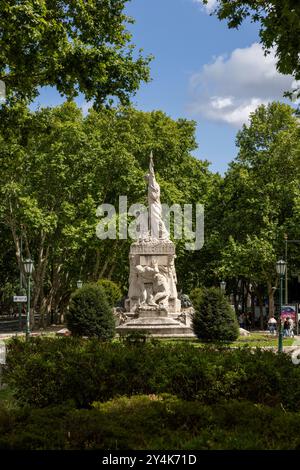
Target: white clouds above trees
x=231, y=87
x=209, y=6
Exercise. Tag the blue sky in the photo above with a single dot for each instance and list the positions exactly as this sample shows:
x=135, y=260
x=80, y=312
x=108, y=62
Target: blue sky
x=202, y=71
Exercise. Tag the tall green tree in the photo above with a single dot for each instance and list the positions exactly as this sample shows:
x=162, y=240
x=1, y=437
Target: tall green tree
x=75, y=46
x=59, y=166
x=261, y=197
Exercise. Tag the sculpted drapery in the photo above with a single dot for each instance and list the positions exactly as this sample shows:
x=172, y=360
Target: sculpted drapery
x=157, y=227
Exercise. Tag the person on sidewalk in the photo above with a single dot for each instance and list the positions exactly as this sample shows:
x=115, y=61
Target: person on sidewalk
x=272, y=325
x=242, y=320
x=291, y=328
x=286, y=327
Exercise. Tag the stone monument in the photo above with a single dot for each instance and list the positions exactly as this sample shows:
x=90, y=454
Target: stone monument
x=153, y=305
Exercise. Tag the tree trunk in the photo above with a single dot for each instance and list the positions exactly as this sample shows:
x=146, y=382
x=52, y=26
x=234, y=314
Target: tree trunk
x=101, y=274
x=271, y=300
x=39, y=277
x=261, y=311
x=243, y=295
x=54, y=296
x=252, y=309
x=236, y=303
x=97, y=266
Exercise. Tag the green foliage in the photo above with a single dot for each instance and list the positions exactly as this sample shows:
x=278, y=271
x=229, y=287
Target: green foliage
x=6, y=298
x=48, y=371
x=155, y=422
x=90, y=313
x=76, y=46
x=256, y=203
x=112, y=291
x=196, y=296
x=8, y=270
x=214, y=319
x=135, y=337
x=59, y=166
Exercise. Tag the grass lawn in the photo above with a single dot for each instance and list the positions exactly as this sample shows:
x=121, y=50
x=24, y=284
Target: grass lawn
x=255, y=340
x=261, y=339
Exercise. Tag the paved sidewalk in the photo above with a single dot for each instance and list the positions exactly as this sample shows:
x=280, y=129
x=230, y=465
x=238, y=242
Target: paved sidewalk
x=41, y=332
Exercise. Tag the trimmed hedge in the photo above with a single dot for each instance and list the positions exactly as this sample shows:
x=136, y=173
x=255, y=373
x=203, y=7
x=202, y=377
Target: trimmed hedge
x=112, y=291
x=151, y=422
x=196, y=296
x=47, y=371
x=214, y=319
x=90, y=313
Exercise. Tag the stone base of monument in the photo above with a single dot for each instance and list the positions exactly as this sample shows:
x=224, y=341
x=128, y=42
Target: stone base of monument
x=155, y=322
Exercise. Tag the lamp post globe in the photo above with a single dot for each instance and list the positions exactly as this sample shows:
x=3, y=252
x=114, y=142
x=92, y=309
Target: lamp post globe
x=280, y=269
x=79, y=284
x=223, y=286
x=28, y=268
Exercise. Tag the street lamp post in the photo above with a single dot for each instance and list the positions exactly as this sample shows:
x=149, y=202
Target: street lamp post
x=28, y=268
x=280, y=268
x=20, y=306
x=286, y=299
x=223, y=286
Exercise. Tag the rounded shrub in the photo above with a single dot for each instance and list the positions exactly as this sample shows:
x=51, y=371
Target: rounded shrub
x=90, y=313
x=214, y=319
x=196, y=296
x=112, y=291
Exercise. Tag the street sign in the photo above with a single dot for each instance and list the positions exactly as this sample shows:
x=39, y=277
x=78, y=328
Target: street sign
x=20, y=298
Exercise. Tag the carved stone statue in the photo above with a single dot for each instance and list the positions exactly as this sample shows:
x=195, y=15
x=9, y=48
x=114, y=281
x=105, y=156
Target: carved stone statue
x=161, y=287
x=153, y=305
x=152, y=277
x=157, y=227
x=145, y=280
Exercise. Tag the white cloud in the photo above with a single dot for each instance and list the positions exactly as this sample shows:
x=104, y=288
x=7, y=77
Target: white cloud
x=210, y=6
x=230, y=88
x=85, y=106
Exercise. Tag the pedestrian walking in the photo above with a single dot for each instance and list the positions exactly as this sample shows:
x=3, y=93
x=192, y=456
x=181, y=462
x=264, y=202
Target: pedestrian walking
x=242, y=320
x=286, y=327
x=272, y=325
x=291, y=327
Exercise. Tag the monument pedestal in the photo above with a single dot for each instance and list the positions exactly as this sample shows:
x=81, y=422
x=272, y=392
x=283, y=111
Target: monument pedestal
x=155, y=322
x=153, y=306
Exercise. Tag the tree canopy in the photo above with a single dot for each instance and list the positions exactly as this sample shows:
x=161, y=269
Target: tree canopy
x=257, y=202
x=75, y=46
x=59, y=166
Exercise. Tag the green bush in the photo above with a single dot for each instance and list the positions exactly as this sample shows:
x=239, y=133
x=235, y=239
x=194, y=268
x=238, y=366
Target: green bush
x=151, y=422
x=46, y=371
x=214, y=319
x=196, y=296
x=112, y=291
x=90, y=314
